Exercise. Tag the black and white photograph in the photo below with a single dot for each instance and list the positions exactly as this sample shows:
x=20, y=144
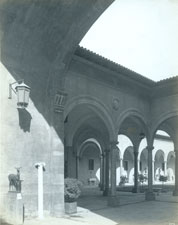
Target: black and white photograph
x=88, y=112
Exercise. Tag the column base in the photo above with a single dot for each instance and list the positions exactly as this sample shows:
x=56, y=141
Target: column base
x=150, y=196
x=175, y=192
x=105, y=192
x=135, y=190
x=113, y=201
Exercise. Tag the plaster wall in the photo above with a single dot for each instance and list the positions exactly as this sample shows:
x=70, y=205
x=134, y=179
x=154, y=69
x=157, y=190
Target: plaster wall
x=25, y=139
x=84, y=172
x=82, y=80
x=163, y=108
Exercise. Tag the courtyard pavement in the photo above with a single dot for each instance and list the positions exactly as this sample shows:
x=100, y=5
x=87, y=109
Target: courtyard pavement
x=133, y=210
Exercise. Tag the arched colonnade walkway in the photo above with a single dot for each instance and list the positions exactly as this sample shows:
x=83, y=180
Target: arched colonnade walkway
x=101, y=152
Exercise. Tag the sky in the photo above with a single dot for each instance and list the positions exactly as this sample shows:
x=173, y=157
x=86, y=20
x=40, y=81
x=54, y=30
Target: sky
x=141, y=35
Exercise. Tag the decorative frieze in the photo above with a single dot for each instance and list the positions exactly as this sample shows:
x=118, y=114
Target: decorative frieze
x=59, y=101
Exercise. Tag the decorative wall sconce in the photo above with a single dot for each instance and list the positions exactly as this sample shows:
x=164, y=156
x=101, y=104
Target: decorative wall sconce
x=22, y=91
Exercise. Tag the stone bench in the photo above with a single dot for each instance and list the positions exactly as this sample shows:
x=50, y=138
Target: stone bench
x=157, y=190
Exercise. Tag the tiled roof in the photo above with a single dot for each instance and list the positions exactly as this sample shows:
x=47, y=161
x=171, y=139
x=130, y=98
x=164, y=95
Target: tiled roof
x=95, y=58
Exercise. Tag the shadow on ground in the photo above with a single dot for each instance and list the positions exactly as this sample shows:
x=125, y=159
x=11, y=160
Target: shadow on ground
x=2, y=222
x=133, y=209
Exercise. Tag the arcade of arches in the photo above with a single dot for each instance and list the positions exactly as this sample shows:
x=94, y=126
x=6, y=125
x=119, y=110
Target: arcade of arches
x=87, y=117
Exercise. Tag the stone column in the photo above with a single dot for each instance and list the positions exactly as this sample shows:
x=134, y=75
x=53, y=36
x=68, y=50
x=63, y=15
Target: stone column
x=113, y=200
x=149, y=194
x=101, y=172
x=175, y=192
x=153, y=170
x=56, y=99
x=77, y=167
x=68, y=150
x=121, y=166
x=135, y=189
x=165, y=168
x=104, y=171
x=40, y=166
x=106, y=188
x=113, y=168
x=138, y=165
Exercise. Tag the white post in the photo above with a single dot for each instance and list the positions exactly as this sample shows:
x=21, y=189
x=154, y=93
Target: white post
x=40, y=166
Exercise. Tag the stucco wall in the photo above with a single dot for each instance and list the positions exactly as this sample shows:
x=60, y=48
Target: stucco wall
x=81, y=81
x=27, y=138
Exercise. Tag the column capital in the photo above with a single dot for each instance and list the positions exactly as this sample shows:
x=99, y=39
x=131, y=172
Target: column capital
x=136, y=153
x=102, y=155
x=135, y=148
x=113, y=143
x=150, y=148
x=107, y=150
x=40, y=164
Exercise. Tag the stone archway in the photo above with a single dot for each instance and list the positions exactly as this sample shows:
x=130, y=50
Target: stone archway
x=144, y=162
x=89, y=164
x=159, y=164
x=171, y=167
x=128, y=164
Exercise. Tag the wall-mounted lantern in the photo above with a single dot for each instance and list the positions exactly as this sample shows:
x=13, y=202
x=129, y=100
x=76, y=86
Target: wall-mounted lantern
x=22, y=91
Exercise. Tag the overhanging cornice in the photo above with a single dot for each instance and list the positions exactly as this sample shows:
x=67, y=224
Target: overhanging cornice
x=128, y=77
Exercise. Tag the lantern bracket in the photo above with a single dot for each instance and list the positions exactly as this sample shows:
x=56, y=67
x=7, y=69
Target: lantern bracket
x=12, y=89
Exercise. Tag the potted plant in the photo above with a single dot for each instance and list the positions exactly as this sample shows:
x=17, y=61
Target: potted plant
x=71, y=193
x=123, y=180
x=163, y=179
x=142, y=178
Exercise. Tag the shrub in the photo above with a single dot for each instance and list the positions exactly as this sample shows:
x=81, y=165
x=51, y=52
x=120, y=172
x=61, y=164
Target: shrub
x=123, y=180
x=71, y=189
x=142, y=178
x=163, y=178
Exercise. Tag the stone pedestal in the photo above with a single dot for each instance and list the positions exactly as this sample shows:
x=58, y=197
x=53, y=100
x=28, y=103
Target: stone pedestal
x=150, y=196
x=70, y=207
x=14, y=208
x=113, y=201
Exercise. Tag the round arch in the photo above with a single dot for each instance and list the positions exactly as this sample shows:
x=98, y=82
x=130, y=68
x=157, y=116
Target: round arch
x=98, y=107
x=159, y=159
x=171, y=166
x=130, y=112
x=170, y=154
x=157, y=123
x=143, y=161
x=124, y=143
x=89, y=141
x=128, y=161
x=157, y=152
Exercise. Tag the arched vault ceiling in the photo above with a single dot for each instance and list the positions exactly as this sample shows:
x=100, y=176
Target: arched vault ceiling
x=132, y=127
x=41, y=30
x=83, y=123
x=170, y=126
